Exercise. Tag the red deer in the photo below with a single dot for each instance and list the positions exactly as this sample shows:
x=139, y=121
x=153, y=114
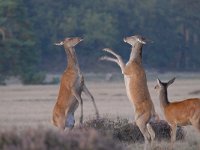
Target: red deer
x=71, y=86
x=181, y=113
x=136, y=85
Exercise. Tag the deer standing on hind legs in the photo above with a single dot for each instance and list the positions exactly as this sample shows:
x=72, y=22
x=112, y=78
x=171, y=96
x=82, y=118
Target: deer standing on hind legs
x=136, y=86
x=71, y=86
x=182, y=113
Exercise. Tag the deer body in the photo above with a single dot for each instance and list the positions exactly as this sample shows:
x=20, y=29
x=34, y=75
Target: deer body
x=63, y=114
x=71, y=86
x=137, y=90
x=181, y=113
x=136, y=86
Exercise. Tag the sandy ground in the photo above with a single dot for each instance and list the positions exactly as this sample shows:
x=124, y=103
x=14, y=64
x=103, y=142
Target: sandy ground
x=24, y=106
x=32, y=105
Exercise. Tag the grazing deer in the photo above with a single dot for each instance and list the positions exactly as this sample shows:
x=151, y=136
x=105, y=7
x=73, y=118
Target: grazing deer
x=136, y=85
x=71, y=86
x=182, y=113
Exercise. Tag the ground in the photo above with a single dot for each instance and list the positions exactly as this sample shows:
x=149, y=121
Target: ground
x=32, y=105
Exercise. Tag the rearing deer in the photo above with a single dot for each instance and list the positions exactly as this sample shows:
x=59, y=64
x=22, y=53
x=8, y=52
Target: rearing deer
x=186, y=112
x=71, y=86
x=136, y=85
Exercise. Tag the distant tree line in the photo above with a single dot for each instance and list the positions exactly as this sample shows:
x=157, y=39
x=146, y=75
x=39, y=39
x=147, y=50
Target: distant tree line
x=28, y=29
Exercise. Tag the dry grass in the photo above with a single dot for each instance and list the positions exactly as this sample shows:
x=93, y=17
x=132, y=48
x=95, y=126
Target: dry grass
x=102, y=134
x=43, y=139
x=31, y=106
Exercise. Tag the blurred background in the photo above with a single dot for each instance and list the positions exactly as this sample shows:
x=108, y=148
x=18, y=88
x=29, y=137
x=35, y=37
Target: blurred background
x=28, y=29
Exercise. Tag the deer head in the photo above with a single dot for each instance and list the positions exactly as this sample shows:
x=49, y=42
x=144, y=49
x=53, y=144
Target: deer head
x=70, y=42
x=163, y=85
x=132, y=40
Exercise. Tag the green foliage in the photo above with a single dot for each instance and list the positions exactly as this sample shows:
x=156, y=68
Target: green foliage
x=17, y=46
x=2, y=79
x=172, y=25
x=30, y=77
x=28, y=30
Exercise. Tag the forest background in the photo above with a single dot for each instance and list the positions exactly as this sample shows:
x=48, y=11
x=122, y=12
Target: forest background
x=28, y=29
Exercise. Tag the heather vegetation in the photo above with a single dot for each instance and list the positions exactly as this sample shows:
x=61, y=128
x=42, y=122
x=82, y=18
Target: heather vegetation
x=28, y=30
x=124, y=131
x=43, y=139
x=102, y=134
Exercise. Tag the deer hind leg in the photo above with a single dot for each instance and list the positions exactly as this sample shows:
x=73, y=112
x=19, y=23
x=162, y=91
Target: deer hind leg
x=59, y=122
x=144, y=130
x=58, y=118
x=80, y=100
x=81, y=117
x=87, y=92
x=151, y=132
x=70, y=121
x=196, y=124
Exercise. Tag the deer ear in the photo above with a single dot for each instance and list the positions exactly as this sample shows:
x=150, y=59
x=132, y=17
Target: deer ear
x=60, y=43
x=158, y=81
x=171, y=81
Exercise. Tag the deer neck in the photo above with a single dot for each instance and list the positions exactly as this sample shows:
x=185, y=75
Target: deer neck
x=163, y=98
x=72, y=61
x=136, y=53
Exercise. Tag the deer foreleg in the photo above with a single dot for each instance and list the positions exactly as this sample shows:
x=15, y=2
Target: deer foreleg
x=110, y=59
x=173, y=135
x=120, y=61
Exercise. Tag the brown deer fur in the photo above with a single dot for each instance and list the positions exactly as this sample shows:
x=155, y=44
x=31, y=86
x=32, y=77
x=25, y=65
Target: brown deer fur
x=181, y=113
x=71, y=86
x=136, y=85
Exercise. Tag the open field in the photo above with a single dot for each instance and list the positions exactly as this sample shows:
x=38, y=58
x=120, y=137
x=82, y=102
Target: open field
x=31, y=106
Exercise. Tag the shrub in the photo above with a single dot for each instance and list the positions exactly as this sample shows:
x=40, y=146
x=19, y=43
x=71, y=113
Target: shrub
x=124, y=131
x=101, y=134
x=2, y=79
x=32, y=77
x=40, y=139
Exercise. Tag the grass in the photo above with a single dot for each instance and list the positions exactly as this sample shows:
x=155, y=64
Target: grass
x=47, y=139
x=101, y=134
x=27, y=107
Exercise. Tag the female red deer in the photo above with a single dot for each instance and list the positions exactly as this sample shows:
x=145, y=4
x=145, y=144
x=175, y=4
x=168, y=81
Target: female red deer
x=136, y=85
x=185, y=112
x=71, y=86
